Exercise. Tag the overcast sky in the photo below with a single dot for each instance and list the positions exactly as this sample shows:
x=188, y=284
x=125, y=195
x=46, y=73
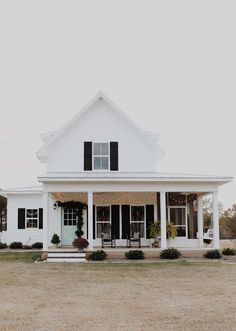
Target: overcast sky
x=169, y=65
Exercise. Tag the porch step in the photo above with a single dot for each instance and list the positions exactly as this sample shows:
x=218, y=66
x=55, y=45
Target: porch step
x=66, y=256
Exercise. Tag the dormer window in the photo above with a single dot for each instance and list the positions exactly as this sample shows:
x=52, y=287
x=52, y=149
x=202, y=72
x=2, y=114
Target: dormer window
x=100, y=156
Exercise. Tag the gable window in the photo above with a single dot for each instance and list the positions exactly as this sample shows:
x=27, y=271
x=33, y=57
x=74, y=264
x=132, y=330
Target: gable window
x=100, y=156
x=31, y=218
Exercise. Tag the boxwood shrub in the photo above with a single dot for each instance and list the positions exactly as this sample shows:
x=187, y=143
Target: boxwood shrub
x=38, y=245
x=228, y=251
x=212, y=254
x=2, y=246
x=97, y=256
x=16, y=245
x=134, y=255
x=170, y=253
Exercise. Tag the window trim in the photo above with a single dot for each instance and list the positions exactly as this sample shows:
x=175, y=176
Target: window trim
x=73, y=213
x=140, y=222
x=99, y=222
x=186, y=219
x=32, y=218
x=107, y=156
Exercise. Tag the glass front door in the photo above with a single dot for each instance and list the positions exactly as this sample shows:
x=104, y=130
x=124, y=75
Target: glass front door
x=178, y=216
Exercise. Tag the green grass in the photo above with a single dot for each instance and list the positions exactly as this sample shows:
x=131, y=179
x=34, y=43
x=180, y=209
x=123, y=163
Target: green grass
x=27, y=257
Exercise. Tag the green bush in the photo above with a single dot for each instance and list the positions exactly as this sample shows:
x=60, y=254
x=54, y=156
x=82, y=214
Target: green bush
x=16, y=245
x=213, y=254
x=228, y=251
x=27, y=247
x=134, y=255
x=97, y=256
x=170, y=253
x=2, y=246
x=37, y=245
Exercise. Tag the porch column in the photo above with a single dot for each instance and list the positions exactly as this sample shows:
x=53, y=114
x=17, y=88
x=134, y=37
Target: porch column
x=216, y=232
x=200, y=221
x=90, y=219
x=163, y=219
x=45, y=220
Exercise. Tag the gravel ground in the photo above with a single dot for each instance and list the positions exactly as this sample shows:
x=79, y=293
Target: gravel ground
x=154, y=296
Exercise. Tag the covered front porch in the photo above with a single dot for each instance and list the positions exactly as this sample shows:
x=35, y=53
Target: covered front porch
x=118, y=209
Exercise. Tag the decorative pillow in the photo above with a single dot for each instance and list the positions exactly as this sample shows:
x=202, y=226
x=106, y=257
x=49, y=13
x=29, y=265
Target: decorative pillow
x=106, y=236
x=136, y=235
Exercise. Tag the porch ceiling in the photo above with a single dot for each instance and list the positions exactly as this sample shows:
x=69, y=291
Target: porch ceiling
x=108, y=198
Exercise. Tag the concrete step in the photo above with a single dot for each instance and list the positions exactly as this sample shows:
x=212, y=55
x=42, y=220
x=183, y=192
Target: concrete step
x=55, y=256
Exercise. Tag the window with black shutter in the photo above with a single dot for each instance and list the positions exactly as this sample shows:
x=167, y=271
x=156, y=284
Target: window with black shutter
x=87, y=155
x=114, y=155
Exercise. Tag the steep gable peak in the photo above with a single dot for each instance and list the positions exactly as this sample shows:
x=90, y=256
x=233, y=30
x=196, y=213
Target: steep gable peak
x=50, y=137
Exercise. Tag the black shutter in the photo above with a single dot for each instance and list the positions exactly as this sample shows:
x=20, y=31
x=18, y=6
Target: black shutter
x=40, y=218
x=115, y=221
x=87, y=155
x=125, y=211
x=149, y=218
x=114, y=155
x=94, y=224
x=21, y=218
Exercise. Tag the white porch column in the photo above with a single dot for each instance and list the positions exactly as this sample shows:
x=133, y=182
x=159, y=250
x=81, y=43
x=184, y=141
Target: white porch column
x=45, y=220
x=90, y=219
x=163, y=219
x=216, y=232
x=200, y=221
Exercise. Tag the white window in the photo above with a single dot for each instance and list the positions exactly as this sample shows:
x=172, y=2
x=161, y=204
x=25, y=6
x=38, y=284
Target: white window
x=70, y=217
x=178, y=216
x=103, y=217
x=32, y=218
x=100, y=156
x=137, y=220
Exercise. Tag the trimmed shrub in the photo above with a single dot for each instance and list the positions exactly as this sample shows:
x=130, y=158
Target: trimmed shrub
x=97, y=256
x=16, y=245
x=213, y=254
x=37, y=245
x=2, y=246
x=228, y=251
x=170, y=253
x=134, y=255
x=27, y=247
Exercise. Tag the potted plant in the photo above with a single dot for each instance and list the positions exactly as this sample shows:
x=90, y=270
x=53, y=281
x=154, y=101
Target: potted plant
x=80, y=243
x=154, y=232
x=55, y=240
x=171, y=231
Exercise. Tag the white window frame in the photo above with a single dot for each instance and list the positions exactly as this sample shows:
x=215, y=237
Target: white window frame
x=31, y=218
x=99, y=222
x=72, y=212
x=144, y=218
x=108, y=155
x=186, y=219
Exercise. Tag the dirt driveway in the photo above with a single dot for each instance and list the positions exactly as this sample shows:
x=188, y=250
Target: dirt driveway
x=155, y=296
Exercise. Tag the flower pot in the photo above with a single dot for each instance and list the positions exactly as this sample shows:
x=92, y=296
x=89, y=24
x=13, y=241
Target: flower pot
x=80, y=249
x=55, y=245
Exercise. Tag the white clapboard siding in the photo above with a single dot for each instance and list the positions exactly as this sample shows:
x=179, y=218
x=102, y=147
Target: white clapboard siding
x=101, y=123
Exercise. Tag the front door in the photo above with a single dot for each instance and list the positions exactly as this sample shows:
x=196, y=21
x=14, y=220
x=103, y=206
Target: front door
x=69, y=226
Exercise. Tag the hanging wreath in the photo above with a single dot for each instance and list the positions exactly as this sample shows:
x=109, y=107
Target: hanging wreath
x=78, y=207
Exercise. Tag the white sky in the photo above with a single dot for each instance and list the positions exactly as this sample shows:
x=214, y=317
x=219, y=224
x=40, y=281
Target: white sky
x=169, y=65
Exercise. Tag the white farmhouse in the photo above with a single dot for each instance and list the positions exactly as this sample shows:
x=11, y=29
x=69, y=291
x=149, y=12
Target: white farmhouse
x=102, y=159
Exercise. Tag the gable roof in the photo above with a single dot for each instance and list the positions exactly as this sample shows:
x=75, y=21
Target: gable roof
x=50, y=137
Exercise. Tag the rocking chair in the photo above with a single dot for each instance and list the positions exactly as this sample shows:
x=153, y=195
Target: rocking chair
x=106, y=237
x=135, y=235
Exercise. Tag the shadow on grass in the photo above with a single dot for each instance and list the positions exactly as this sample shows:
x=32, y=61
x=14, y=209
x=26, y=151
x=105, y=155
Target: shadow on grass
x=26, y=257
